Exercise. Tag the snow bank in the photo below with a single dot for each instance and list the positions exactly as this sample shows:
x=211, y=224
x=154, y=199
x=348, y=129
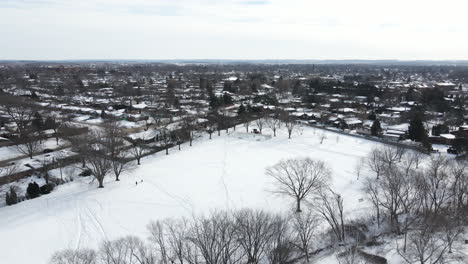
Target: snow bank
x=250, y=136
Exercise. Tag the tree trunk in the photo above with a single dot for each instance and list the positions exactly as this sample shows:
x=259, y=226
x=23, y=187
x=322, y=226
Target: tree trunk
x=138, y=160
x=298, y=205
x=404, y=243
x=100, y=184
x=167, y=151
x=378, y=216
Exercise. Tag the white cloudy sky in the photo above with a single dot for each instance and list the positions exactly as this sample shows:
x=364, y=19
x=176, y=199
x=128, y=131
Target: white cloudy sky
x=234, y=29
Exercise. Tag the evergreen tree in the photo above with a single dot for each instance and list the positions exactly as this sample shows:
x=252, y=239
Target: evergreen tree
x=241, y=110
x=440, y=129
x=50, y=123
x=410, y=94
x=37, y=121
x=227, y=99
x=416, y=131
x=214, y=101
x=11, y=197
x=376, y=128
x=33, y=190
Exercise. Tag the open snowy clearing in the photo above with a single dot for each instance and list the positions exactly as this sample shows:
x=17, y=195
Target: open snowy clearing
x=226, y=172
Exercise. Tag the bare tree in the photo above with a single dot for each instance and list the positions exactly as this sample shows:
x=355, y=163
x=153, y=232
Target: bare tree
x=323, y=136
x=424, y=247
x=189, y=126
x=329, y=206
x=112, y=138
x=137, y=150
x=350, y=256
x=170, y=239
x=281, y=248
x=215, y=238
x=418, y=157
x=254, y=229
x=375, y=161
x=358, y=167
x=459, y=183
x=290, y=123
x=247, y=123
x=126, y=250
x=79, y=143
x=396, y=193
x=299, y=178
x=210, y=129
x=274, y=124
x=20, y=111
x=437, y=182
x=97, y=160
x=304, y=226
x=260, y=123
x=158, y=238
x=9, y=170
x=371, y=188
x=80, y=256
x=28, y=143
x=166, y=138
x=121, y=163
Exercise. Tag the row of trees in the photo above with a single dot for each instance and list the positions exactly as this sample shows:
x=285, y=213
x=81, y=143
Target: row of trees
x=423, y=198
x=110, y=150
x=244, y=236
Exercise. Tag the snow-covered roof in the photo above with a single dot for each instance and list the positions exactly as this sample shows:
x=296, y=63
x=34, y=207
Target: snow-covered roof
x=447, y=136
x=140, y=106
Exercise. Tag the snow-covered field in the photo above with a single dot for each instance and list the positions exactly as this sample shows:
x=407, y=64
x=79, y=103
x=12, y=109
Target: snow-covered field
x=226, y=172
x=12, y=152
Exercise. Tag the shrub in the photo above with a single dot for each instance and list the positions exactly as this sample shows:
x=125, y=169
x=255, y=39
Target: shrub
x=47, y=188
x=33, y=190
x=11, y=197
x=86, y=172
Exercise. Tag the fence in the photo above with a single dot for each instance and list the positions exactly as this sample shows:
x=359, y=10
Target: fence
x=375, y=139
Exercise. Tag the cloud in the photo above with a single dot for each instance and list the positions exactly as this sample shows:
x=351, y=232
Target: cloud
x=255, y=2
x=237, y=29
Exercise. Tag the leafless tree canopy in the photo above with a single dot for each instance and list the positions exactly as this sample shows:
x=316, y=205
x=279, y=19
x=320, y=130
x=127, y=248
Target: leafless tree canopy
x=80, y=256
x=329, y=206
x=274, y=124
x=299, y=178
x=304, y=226
x=97, y=159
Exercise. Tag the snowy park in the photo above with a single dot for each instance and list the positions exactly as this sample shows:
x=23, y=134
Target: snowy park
x=224, y=173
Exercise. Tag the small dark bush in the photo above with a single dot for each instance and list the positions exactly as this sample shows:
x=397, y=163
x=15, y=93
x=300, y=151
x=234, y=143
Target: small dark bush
x=47, y=188
x=11, y=197
x=33, y=190
x=47, y=150
x=85, y=173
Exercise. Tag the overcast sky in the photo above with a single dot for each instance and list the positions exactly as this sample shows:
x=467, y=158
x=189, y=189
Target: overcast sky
x=234, y=29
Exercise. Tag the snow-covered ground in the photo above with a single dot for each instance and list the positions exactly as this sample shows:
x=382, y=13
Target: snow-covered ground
x=12, y=152
x=226, y=172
